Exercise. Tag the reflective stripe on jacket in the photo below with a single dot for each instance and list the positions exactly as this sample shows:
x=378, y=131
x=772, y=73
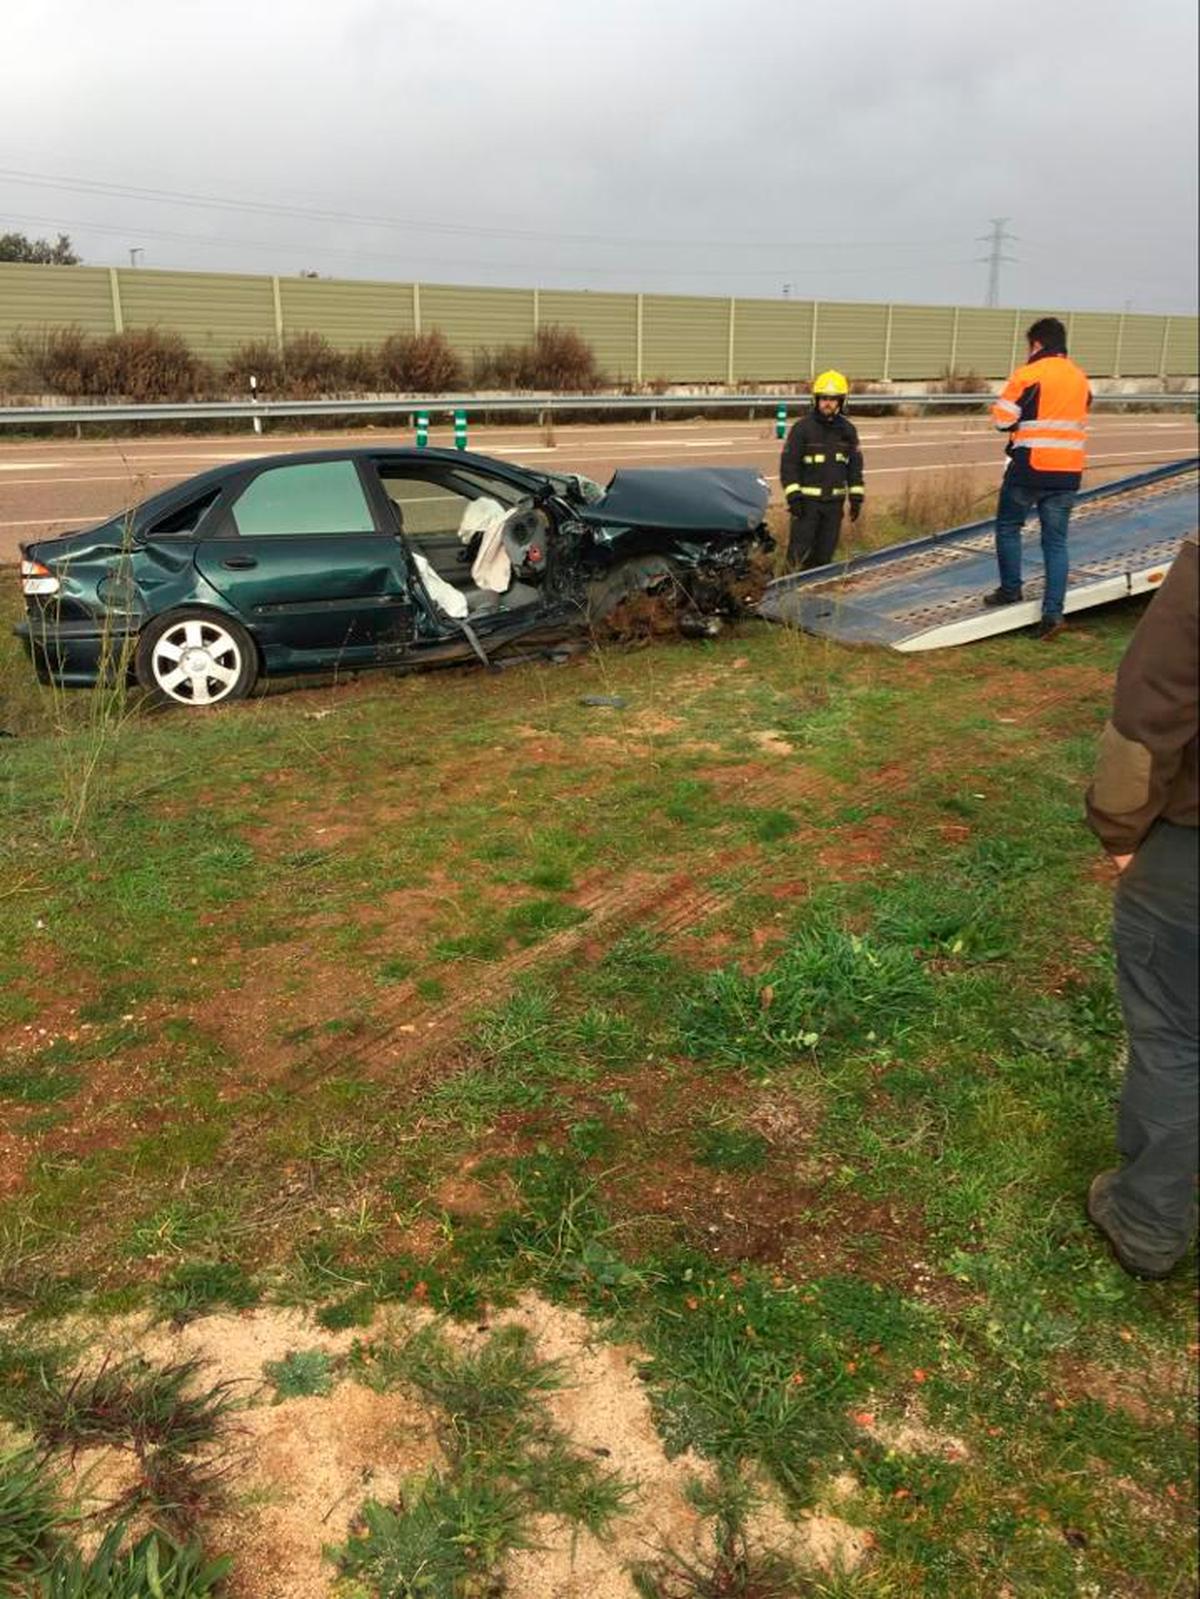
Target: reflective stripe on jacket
x=822, y=460
x=1044, y=407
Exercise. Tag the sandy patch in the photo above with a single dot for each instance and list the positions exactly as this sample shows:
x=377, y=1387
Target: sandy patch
x=772, y=742
x=911, y=1434
x=605, y=1412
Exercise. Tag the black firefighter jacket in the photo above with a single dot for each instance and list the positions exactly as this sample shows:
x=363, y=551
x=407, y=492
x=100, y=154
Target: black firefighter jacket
x=822, y=460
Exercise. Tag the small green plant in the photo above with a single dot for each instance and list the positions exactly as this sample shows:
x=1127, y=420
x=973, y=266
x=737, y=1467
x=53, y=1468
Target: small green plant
x=446, y=1538
x=134, y=1404
x=301, y=1374
x=201, y=1285
x=30, y=1517
x=153, y=1568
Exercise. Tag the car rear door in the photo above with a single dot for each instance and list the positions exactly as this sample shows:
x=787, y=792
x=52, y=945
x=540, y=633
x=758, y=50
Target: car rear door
x=301, y=554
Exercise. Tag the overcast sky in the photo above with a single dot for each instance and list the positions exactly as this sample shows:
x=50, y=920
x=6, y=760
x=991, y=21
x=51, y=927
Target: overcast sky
x=847, y=150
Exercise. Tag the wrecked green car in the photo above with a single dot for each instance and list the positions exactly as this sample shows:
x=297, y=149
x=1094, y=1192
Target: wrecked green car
x=346, y=559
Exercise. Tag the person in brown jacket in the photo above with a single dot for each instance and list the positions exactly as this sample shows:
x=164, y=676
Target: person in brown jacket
x=1143, y=805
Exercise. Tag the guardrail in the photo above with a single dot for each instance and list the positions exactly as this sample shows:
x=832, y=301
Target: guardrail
x=474, y=404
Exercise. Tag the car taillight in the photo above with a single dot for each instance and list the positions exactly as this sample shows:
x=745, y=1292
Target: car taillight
x=38, y=579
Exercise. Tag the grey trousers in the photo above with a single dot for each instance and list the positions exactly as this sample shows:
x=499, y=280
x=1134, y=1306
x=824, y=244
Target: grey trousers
x=1156, y=936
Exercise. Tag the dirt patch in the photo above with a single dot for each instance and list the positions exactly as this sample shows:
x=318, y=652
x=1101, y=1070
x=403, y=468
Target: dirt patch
x=814, y=1541
x=910, y=1434
x=315, y=1462
x=1018, y=696
x=463, y=1195
x=1146, y=1394
x=772, y=742
x=290, y=994
x=605, y=1412
x=852, y=850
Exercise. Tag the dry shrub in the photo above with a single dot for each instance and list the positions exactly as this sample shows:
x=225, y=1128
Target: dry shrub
x=931, y=501
x=146, y=365
x=258, y=359
x=862, y=388
x=52, y=361
x=421, y=363
x=311, y=367
x=556, y=361
x=360, y=369
x=142, y=365
x=960, y=383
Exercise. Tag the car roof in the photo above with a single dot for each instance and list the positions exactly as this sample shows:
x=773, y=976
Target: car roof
x=166, y=499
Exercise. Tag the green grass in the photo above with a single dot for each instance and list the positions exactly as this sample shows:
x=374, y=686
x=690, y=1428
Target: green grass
x=152, y=1567
x=31, y=1517
x=820, y=1155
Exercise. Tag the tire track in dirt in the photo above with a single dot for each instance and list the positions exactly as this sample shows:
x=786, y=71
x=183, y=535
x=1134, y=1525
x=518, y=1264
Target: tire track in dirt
x=410, y=1029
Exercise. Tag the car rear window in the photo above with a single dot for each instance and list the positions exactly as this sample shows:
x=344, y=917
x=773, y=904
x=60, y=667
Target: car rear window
x=316, y=497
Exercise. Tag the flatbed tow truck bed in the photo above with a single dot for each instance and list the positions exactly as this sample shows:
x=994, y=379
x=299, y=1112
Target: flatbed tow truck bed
x=928, y=593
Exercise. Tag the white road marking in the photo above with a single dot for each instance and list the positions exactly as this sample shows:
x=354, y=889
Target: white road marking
x=83, y=518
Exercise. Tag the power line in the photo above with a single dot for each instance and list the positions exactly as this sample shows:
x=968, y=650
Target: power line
x=276, y=247
x=184, y=197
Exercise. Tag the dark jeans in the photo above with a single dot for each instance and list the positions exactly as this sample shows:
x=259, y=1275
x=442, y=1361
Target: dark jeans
x=816, y=528
x=1016, y=501
x=1158, y=944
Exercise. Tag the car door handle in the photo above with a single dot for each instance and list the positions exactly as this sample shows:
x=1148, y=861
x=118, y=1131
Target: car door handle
x=239, y=563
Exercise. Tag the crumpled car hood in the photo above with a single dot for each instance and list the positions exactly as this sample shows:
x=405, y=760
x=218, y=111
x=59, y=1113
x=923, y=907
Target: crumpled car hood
x=716, y=499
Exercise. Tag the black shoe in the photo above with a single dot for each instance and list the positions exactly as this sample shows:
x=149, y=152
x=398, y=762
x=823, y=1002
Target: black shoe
x=1004, y=597
x=1102, y=1215
x=1050, y=627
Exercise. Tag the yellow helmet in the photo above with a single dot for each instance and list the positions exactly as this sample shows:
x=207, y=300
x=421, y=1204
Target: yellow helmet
x=831, y=383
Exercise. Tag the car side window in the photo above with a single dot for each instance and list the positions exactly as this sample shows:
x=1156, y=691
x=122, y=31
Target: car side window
x=427, y=509
x=433, y=506
x=184, y=519
x=311, y=497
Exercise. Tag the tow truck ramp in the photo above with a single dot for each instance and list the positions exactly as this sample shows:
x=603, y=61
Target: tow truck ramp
x=928, y=593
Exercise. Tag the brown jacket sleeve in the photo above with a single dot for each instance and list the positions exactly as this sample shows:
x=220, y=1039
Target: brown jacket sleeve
x=1147, y=759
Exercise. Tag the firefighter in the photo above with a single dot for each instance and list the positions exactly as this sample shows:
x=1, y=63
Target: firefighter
x=821, y=468
x=1043, y=408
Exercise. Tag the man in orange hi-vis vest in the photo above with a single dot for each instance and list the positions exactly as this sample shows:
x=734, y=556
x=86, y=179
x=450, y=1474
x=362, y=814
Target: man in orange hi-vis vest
x=1043, y=408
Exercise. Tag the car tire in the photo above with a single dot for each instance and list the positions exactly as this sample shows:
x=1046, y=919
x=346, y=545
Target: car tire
x=196, y=659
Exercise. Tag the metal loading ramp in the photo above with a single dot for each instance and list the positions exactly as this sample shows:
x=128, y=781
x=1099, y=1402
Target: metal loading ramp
x=928, y=593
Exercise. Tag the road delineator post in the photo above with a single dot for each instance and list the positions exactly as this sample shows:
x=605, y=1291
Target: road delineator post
x=780, y=421
x=460, y=430
x=422, y=429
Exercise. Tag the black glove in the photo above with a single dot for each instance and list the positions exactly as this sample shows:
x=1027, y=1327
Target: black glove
x=795, y=502
x=856, y=506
